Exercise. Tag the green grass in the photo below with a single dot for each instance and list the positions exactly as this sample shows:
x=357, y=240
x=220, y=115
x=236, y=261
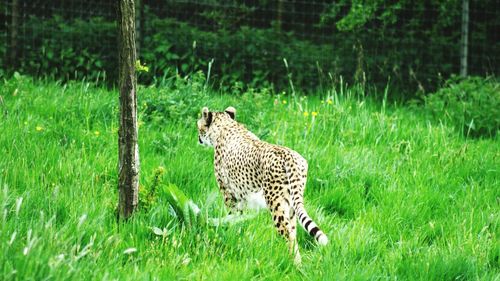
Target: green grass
x=399, y=196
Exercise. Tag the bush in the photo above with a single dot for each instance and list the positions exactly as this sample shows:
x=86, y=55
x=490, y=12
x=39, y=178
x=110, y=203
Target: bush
x=177, y=99
x=471, y=105
x=75, y=49
x=250, y=55
x=396, y=46
x=78, y=48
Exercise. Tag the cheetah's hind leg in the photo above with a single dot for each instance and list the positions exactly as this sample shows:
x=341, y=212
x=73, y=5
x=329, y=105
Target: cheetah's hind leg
x=285, y=221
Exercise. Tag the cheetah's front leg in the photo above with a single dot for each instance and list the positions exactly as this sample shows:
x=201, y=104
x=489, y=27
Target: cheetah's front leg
x=229, y=198
x=232, y=203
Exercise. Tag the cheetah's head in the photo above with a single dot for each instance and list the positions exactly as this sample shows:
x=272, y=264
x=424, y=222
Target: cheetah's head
x=208, y=124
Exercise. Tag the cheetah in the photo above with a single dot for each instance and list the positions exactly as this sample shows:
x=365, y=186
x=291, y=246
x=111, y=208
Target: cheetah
x=246, y=167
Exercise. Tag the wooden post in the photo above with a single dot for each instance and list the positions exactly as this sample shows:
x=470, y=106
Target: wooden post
x=14, y=27
x=465, y=38
x=128, y=149
x=279, y=16
x=139, y=25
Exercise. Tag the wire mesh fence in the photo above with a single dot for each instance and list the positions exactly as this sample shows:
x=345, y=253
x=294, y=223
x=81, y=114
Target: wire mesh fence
x=414, y=45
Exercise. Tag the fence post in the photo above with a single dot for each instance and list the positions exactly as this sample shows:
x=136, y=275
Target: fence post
x=279, y=16
x=465, y=36
x=14, y=27
x=139, y=19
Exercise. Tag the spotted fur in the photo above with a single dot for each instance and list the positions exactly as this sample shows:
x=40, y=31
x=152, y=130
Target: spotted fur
x=245, y=165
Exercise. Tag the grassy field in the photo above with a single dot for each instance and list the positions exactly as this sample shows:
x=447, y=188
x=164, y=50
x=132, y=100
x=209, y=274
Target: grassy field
x=400, y=196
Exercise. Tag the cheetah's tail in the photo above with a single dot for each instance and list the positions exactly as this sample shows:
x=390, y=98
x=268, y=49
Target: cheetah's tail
x=309, y=225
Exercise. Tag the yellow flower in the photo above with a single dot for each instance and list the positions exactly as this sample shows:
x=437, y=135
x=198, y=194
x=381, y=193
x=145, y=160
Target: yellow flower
x=39, y=128
x=141, y=68
x=329, y=101
x=306, y=113
x=97, y=133
x=284, y=101
x=314, y=114
x=159, y=171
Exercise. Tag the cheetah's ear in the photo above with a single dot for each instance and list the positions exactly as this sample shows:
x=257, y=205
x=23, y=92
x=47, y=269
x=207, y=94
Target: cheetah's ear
x=206, y=115
x=231, y=111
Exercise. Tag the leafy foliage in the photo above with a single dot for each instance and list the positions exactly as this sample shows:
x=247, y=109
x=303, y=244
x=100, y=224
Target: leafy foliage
x=76, y=48
x=412, y=45
x=250, y=55
x=472, y=105
x=178, y=99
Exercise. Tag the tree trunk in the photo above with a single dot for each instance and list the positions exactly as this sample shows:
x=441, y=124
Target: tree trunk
x=128, y=154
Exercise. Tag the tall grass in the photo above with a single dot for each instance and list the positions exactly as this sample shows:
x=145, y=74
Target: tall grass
x=400, y=196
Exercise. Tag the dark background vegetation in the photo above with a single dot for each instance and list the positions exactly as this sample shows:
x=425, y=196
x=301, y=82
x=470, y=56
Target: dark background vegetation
x=412, y=45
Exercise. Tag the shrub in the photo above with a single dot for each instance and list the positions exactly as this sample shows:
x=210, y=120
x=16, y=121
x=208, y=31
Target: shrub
x=78, y=48
x=471, y=105
x=371, y=49
x=75, y=48
x=178, y=99
x=250, y=55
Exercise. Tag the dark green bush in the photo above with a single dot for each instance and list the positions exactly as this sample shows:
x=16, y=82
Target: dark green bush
x=375, y=44
x=250, y=55
x=86, y=48
x=75, y=48
x=471, y=105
